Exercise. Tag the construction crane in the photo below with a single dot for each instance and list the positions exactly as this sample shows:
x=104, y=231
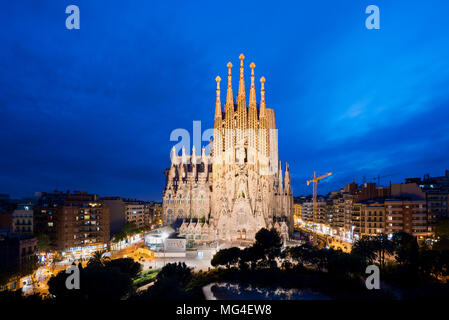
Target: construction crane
x=379, y=177
x=315, y=181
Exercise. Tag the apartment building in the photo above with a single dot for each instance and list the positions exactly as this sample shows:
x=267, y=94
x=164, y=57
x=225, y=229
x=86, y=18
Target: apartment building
x=74, y=221
x=22, y=219
x=135, y=213
x=372, y=218
x=437, y=196
x=321, y=216
x=408, y=216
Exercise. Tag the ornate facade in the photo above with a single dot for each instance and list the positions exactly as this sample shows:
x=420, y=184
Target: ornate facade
x=239, y=188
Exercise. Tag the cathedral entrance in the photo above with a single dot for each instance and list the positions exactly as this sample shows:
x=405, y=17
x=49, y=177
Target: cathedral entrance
x=241, y=234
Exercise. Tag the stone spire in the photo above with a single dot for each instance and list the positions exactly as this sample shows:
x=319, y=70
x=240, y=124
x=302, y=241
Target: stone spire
x=280, y=177
x=193, y=155
x=183, y=156
x=174, y=157
x=229, y=119
x=203, y=155
x=263, y=128
x=217, y=101
x=252, y=115
x=262, y=98
x=241, y=94
x=218, y=125
x=204, y=161
x=252, y=93
x=229, y=98
x=241, y=106
x=287, y=179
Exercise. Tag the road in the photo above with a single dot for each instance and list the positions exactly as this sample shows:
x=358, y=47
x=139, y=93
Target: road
x=333, y=241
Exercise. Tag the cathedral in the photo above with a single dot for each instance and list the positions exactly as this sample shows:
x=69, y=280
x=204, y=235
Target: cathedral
x=239, y=188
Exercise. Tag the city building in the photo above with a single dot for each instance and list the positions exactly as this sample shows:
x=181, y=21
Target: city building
x=340, y=203
x=437, y=196
x=408, y=216
x=22, y=219
x=158, y=214
x=153, y=214
x=135, y=212
x=77, y=223
x=240, y=187
x=372, y=218
x=6, y=209
x=6, y=220
x=16, y=250
x=297, y=212
x=407, y=211
x=117, y=217
x=321, y=216
x=17, y=253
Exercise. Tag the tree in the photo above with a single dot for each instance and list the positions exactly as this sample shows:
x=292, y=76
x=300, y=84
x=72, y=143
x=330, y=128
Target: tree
x=365, y=250
x=444, y=262
x=172, y=283
x=250, y=255
x=302, y=255
x=341, y=263
x=105, y=283
x=125, y=265
x=406, y=249
x=29, y=266
x=97, y=259
x=430, y=263
x=109, y=281
x=442, y=228
x=43, y=242
x=442, y=244
x=127, y=230
x=57, y=287
x=179, y=272
x=226, y=257
x=382, y=246
x=270, y=243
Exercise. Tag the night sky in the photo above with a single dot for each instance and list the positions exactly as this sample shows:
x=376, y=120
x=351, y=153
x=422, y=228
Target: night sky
x=93, y=109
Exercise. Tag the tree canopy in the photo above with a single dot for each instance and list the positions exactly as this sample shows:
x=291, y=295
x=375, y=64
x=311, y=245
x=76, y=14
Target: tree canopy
x=128, y=229
x=109, y=280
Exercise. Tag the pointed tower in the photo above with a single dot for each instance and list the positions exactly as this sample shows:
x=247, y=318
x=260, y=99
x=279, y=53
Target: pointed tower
x=281, y=188
x=229, y=120
x=287, y=180
x=241, y=105
x=183, y=156
x=182, y=165
x=193, y=158
x=218, y=126
x=194, y=164
x=204, y=161
x=174, y=162
x=263, y=132
x=272, y=139
x=252, y=120
x=174, y=157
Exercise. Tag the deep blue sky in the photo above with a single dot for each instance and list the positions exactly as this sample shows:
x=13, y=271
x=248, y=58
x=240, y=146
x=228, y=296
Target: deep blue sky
x=92, y=109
